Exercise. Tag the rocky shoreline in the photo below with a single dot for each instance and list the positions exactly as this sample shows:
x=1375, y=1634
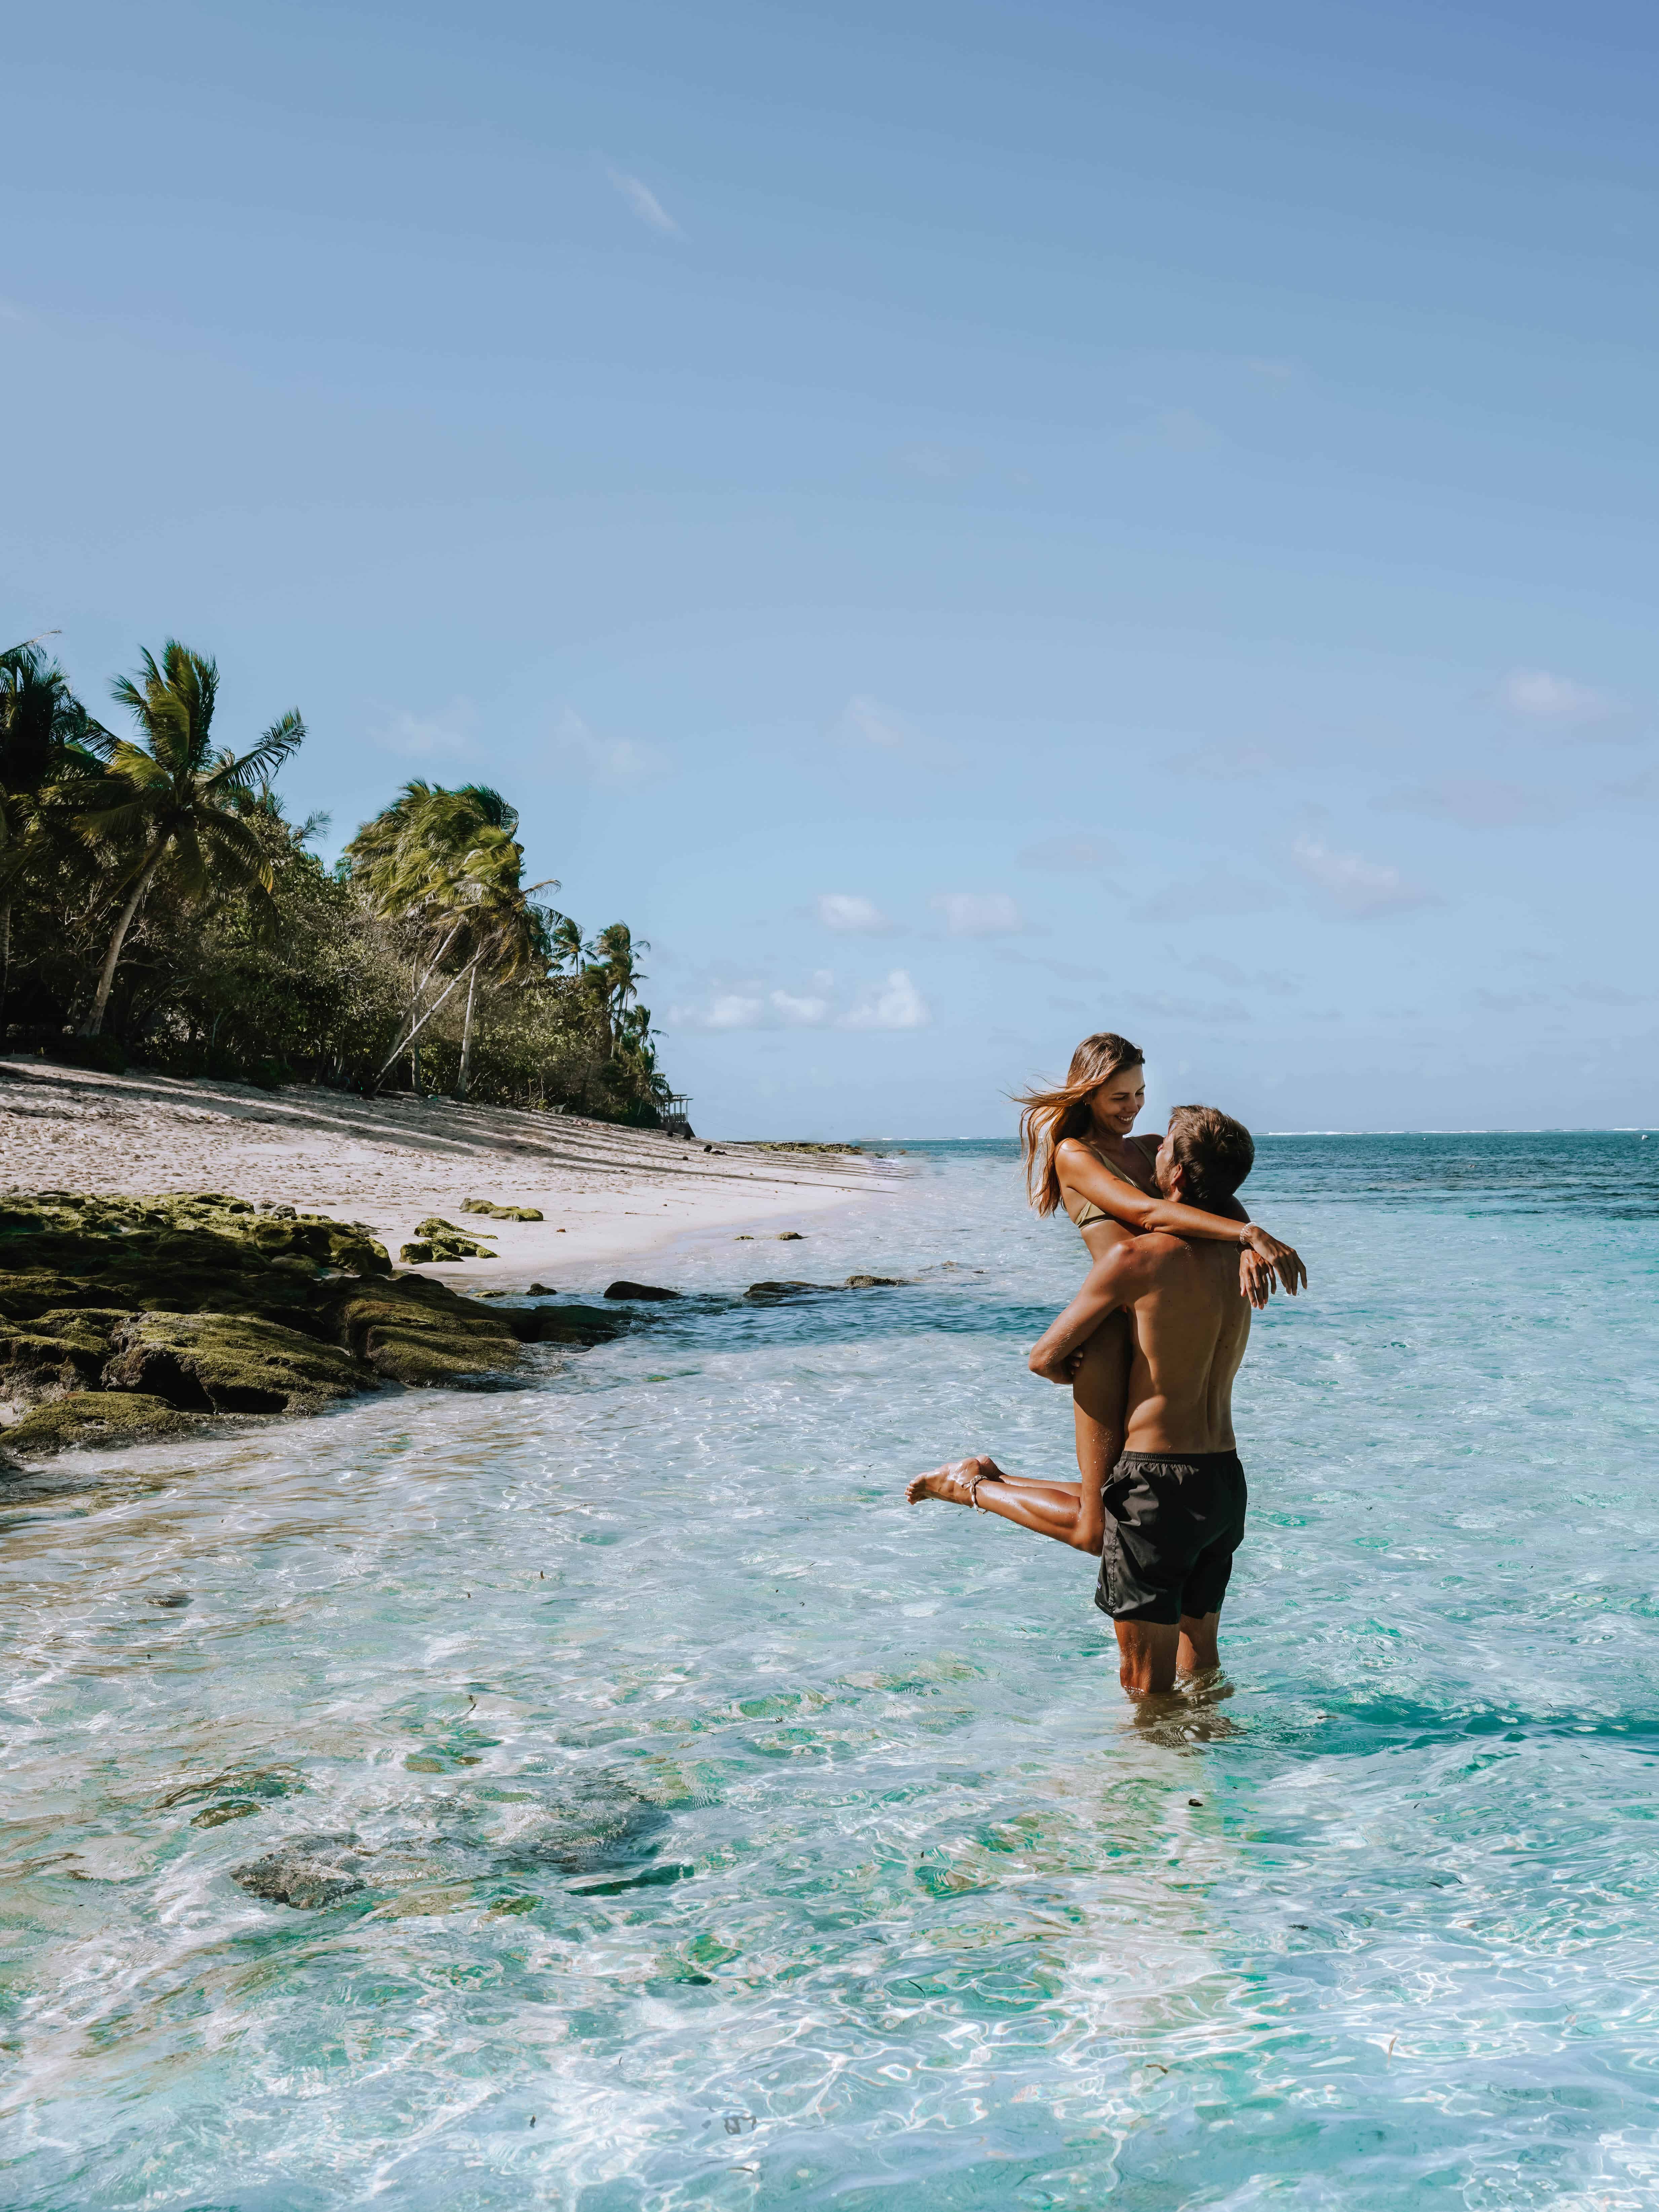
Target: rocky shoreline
x=128, y=1320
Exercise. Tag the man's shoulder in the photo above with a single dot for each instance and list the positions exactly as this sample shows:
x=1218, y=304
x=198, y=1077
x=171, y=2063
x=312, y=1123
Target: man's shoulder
x=1153, y=1255
x=1163, y=1255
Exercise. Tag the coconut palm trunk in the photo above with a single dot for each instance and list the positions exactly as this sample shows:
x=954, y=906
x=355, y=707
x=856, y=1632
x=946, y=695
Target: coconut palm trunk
x=93, y=1023
x=466, y=1035
x=177, y=792
x=403, y=1043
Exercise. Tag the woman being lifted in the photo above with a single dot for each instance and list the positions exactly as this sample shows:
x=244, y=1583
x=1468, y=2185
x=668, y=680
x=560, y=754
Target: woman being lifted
x=1078, y=1154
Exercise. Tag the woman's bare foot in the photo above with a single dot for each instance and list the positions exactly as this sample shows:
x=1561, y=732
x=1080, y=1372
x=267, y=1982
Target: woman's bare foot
x=951, y=1484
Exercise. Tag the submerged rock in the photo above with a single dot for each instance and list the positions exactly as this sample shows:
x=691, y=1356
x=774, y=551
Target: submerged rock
x=597, y=1821
x=764, y=1293
x=873, y=1283
x=567, y=1324
x=306, y=1872
x=92, y=1418
x=624, y=1289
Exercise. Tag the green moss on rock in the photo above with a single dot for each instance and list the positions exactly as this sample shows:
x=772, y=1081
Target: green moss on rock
x=93, y=1418
x=230, y=1364
x=435, y=1238
x=127, y=1317
x=420, y=1333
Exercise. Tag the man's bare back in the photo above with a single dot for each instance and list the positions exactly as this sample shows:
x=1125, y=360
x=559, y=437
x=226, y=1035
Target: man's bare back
x=1191, y=1327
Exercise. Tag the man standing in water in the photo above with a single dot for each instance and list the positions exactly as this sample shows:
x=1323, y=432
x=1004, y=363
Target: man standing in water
x=1171, y=1511
x=1175, y=1502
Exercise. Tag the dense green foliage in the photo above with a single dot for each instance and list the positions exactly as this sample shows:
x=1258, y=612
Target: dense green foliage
x=157, y=905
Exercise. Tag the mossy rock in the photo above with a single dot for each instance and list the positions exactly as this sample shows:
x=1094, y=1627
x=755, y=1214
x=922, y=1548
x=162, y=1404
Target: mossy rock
x=228, y=1364
x=89, y=1419
x=501, y=1213
x=435, y=1238
x=63, y=1350
x=420, y=1332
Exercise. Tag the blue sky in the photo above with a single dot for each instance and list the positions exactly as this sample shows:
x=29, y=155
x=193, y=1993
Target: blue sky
x=964, y=525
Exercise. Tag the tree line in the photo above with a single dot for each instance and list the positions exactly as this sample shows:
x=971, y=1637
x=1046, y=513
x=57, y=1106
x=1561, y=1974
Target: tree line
x=157, y=905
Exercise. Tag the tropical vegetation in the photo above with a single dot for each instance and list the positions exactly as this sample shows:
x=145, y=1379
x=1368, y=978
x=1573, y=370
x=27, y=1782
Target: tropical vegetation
x=157, y=905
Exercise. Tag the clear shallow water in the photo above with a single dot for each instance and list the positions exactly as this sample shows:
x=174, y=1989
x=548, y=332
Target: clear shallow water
x=773, y=1844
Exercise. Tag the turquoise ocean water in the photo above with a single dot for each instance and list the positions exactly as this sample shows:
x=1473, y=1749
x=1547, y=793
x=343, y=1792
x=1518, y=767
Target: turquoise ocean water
x=732, y=1835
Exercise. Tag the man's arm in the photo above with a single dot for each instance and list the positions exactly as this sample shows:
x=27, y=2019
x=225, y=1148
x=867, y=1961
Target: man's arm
x=1117, y=1280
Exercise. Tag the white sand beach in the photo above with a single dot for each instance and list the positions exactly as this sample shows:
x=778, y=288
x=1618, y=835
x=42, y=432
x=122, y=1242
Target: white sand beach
x=607, y=1193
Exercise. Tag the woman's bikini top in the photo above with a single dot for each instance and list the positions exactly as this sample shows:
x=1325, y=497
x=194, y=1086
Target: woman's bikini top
x=1083, y=1211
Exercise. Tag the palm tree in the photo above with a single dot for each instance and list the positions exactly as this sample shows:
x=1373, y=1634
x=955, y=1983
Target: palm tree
x=616, y=974
x=172, y=797
x=569, y=947
x=46, y=736
x=446, y=864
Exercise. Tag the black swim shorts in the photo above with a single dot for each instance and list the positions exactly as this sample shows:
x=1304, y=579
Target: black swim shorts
x=1172, y=1526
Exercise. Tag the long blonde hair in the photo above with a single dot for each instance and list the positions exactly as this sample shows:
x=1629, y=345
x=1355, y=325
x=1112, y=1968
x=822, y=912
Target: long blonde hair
x=1051, y=1116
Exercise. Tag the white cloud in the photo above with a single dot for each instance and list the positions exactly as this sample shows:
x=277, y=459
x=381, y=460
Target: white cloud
x=898, y=1005
x=644, y=203
x=978, y=914
x=1068, y=855
x=867, y=719
x=429, y=736
x=1358, y=887
x=1218, y=892
x=1273, y=981
x=1476, y=804
x=1224, y=763
x=1159, y=1005
x=854, y=917
x=1546, y=698
x=605, y=760
x=731, y=1010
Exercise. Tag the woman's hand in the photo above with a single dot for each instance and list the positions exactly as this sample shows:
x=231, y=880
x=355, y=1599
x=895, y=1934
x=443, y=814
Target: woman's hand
x=1256, y=1277
x=1283, y=1261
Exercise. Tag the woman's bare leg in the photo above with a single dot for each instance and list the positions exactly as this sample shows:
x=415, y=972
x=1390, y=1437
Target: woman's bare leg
x=1069, y=1512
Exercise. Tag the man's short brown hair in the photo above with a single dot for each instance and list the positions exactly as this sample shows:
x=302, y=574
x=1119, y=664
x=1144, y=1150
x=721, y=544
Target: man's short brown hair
x=1216, y=1152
